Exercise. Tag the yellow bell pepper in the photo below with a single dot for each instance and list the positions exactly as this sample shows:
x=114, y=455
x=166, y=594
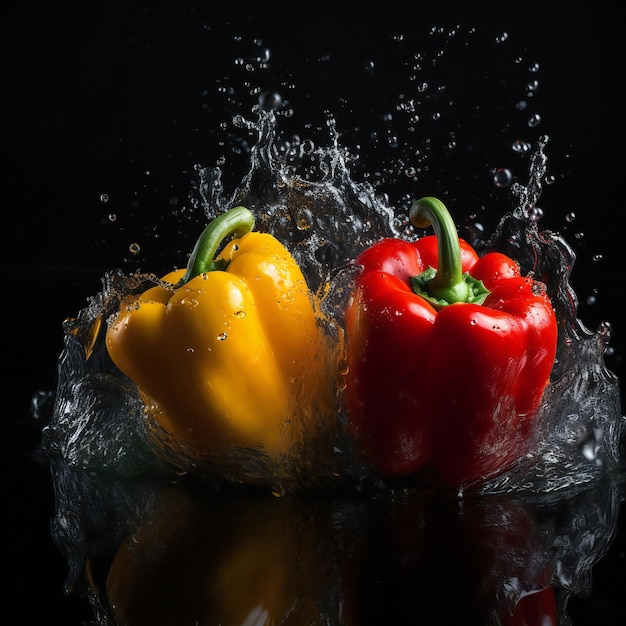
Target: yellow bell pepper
x=230, y=352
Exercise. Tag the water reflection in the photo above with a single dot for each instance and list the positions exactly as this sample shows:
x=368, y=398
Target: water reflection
x=158, y=552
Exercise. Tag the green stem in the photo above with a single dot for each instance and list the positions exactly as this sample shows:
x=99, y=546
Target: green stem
x=237, y=221
x=448, y=284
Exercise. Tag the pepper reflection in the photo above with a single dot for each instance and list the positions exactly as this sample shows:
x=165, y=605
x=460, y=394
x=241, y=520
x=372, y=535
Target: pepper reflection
x=239, y=561
x=167, y=554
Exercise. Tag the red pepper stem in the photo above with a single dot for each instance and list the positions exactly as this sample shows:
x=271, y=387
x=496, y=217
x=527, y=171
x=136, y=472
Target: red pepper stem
x=237, y=221
x=447, y=284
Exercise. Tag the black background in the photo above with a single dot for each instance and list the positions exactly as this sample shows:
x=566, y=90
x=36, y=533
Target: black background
x=124, y=98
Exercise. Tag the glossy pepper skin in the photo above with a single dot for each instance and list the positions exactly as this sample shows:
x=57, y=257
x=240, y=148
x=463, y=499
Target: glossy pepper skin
x=226, y=353
x=448, y=355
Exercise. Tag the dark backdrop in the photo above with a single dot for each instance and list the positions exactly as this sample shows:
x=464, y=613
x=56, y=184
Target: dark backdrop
x=124, y=98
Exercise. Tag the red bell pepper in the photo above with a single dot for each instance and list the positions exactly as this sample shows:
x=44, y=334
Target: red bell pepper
x=448, y=355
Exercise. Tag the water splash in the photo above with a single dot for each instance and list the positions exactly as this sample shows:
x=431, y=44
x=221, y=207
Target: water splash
x=306, y=197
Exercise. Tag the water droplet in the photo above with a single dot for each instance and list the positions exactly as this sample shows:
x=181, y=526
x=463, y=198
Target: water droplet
x=475, y=233
x=134, y=248
x=520, y=146
x=590, y=449
x=307, y=147
x=278, y=491
x=369, y=65
x=239, y=314
x=570, y=217
x=473, y=321
x=513, y=241
x=270, y=100
x=104, y=197
x=189, y=302
x=534, y=120
x=302, y=223
x=502, y=37
x=521, y=105
x=533, y=85
x=597, y=257
x=535, y=214
x=39, y=401
x=112, y=217
x=222, y=336
x=502, y=177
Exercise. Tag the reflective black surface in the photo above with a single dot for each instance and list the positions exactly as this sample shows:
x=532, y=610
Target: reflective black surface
x=124, y=99
x=148, y=552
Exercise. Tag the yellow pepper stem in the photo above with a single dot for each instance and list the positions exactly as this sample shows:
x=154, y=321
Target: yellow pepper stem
x=237, y=221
